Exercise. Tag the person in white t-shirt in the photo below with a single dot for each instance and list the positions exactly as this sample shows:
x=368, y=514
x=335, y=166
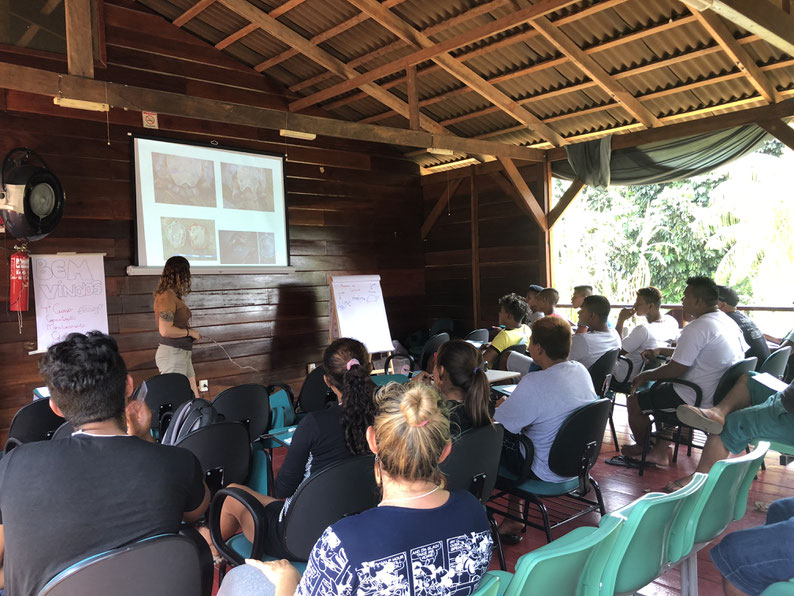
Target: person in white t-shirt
x=659, y=331
x=707, y=347
x=589, y=347
x=542, y=401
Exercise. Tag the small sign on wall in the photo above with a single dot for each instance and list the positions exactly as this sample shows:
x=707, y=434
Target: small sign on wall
x=150, y=120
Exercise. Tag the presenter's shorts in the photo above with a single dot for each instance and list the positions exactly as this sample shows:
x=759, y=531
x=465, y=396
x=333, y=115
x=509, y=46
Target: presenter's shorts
x=174, y=360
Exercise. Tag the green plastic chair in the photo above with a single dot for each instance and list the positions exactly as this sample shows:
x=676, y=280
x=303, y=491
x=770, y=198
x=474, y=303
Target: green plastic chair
x=641, y=551
x=489, y=586
x=780, y=589
x=722, y=501
x=559, y=567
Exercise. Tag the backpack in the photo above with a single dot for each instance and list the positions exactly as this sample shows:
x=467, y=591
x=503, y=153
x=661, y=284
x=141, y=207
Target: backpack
x=188, y=417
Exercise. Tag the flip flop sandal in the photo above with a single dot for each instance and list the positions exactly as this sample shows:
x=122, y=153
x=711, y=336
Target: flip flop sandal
x=510, y=539
x=625, y=461
x=694, y=417
x=675, y=485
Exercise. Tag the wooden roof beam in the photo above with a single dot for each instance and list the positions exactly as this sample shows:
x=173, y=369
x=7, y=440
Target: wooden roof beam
x=192, y=12
x=79, y=38
x=713, y=24
x=251, y=27
x=565, y=200
x=438, y=208
x=529, y=200
x=780, y=130
x=761, y=17
x=593, y=70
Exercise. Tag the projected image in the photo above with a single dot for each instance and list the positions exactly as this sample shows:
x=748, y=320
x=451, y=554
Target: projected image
x=247, y=248
x=190, y=238
x=182, y=180
x=247, y=187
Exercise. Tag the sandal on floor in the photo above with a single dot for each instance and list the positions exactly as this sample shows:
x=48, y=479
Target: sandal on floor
x=510, y=539
x=675, y=485
x=624, y=461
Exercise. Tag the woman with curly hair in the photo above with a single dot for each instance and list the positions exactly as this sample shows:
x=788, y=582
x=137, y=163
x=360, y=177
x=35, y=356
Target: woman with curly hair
x=175, y=352
x=322, y=438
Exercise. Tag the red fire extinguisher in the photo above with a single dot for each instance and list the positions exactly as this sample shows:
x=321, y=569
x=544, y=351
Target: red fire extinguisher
x=20, y=280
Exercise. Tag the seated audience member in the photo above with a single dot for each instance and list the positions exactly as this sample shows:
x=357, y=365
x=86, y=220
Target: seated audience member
x=420, y=540
x=729, y=299
x=541, y=402
x=752, y=559
x=459, y=376
x=750, y=410
x=545, y=301
x=512, y=312
x=707, y=347
x=577, y=298
x=658, y=332
x=322, y=438
x=105, y=486
x=533, y=291
x=590, y=346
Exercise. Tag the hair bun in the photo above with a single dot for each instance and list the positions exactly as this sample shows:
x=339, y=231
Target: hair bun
x=418, y=406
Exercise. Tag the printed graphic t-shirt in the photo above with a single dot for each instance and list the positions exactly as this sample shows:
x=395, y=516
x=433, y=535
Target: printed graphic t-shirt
x=412, y=552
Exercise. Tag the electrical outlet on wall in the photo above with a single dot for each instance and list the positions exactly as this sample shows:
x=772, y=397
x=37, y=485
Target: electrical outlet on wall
x=204, y=385
x=310, y=367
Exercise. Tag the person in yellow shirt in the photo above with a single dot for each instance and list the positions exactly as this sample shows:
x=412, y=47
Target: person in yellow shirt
x=513, y=310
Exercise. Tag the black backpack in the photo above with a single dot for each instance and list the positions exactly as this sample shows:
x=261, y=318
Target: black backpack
x=191, y=415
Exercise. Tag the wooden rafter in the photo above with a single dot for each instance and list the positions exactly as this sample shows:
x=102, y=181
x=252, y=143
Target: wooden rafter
x=761, y=17
x=413, y=102
x=595, y=71
x=428, y=50
x=780, y=130
x=292, y=38
x=713, y=24
x=251, y=27
x=192, y=12
x=565, y=200
x=521, y=187
x=79, y=38
x=53, y=84
x=28, y=35
x=438, y=208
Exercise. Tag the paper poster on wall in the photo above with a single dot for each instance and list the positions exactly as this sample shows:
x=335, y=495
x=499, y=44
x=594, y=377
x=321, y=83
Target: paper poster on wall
x=358, y=311
x=70, y=296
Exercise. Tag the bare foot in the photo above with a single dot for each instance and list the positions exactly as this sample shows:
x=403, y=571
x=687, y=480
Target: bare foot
x=205, y=534
x=659, y=457
x=509, y=526
x=675, y=485
x=631, y=450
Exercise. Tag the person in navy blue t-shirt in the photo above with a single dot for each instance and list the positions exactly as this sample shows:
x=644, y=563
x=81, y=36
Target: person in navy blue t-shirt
x=420, y=540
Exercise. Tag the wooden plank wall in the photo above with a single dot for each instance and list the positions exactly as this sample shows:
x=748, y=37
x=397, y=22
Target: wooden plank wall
x=511, y=249
x=354, y=208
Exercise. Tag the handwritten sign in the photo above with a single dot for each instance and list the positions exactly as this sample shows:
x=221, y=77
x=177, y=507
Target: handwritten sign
x=358, y=311
x=70, y=296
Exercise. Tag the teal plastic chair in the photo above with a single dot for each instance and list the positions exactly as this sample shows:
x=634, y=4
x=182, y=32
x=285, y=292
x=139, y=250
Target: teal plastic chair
x=780, y=589
x=641, y=552
x=722, y=501
x=489, y=586
x=561, y=566
x=282, y=424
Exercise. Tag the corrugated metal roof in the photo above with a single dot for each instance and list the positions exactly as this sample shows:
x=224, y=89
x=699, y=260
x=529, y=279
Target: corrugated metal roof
x=656, y=49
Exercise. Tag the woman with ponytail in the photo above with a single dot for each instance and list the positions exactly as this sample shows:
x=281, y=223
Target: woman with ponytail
x=321, y=438
x=459, y=375
x=421, y=539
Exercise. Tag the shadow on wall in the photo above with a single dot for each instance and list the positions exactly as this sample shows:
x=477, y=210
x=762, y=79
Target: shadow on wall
x=297, y=322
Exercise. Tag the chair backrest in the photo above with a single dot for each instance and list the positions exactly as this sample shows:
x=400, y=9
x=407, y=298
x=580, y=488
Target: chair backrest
x=343, y=488
x=775, y=363
x=641, y=551
x=563, y=565
x=282, y=405
x=170, y=565
x=223, y=450
x=473, y=463
x=249, y=404
x=314, y=394
x=396, y=358
x=164, y=394
x=431, y=347
x=189, y=417
x=517, y=362
x=477, y=335
x=64, y=431
x=501, y=360
x=724, y=496
x=601, y=371
x=578, y=442
x=442, y=325
x=33, y=422
x=730, y=376
x=488, y=586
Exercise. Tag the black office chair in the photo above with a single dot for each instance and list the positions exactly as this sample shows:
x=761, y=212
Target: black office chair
x=166, y=565
x=64, y=431
x=343, y=488
x=249, y=404
x=430, y=348
x=473, y=465
x=477, y=335
x=669, y=428
x=33, y=422
x=164, y=394
x=775, y=363
x=315, y=394
x=601, y=374
x=397, y=357
x=223, y=450
x=574, y=452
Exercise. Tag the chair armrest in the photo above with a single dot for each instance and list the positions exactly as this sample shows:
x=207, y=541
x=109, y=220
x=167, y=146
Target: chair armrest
x=286, y=388
x=698, y=390
x=529, y=454
x=407, y=356
x=257, y=511
x=630, y=370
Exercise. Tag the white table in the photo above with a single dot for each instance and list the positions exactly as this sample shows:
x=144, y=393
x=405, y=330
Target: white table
x=501, y=376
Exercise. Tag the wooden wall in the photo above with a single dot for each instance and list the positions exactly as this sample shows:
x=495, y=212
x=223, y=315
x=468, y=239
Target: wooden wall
x=354, y=208
x=511, y=246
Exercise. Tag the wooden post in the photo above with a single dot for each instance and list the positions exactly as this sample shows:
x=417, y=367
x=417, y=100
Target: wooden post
x=546, y=180
x=475, y=249
x=79, y=44
x=413, y=98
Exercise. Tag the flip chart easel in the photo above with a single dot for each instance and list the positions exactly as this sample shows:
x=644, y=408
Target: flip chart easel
x=358, y=311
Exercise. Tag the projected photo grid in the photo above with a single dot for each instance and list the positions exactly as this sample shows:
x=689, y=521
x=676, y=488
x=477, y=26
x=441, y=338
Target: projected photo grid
x=241, y=226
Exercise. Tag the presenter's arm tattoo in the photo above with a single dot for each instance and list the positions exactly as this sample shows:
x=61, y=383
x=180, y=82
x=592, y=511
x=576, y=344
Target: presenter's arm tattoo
x=166, y=316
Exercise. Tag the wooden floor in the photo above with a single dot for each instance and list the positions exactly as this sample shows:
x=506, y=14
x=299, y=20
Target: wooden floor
x=621, y=486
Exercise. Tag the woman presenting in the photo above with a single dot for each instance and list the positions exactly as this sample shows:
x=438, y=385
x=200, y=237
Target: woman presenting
x=174, y=354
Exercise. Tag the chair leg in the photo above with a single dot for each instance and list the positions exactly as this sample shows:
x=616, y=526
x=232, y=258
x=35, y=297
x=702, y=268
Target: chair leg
x=646, y=445
x=601, y=508
x=543, y=512
x=614, y=434
x=270, y=478
x=498, y=542
x=677, y=443
x=692, y=575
